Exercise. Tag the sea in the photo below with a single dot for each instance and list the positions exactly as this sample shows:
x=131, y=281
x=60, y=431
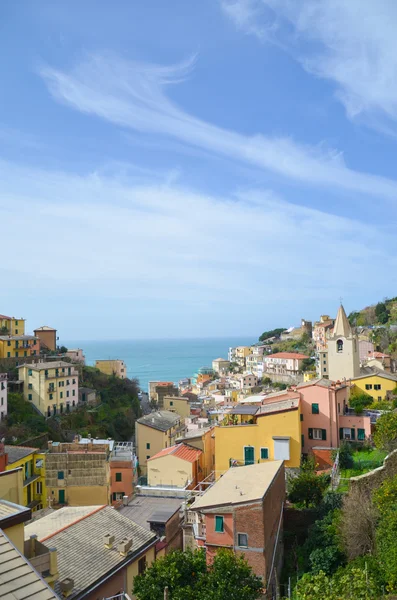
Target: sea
x=159, y=360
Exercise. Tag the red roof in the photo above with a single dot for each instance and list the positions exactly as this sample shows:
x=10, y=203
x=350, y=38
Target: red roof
x=378, y=355
x=180, y=451
x=4, y=317
x=287, y=355
x=164, y=383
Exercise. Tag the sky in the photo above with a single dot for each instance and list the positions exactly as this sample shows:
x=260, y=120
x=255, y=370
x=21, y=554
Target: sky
x=192, y=169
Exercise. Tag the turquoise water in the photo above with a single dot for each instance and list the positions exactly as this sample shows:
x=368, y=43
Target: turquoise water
x=163, y=360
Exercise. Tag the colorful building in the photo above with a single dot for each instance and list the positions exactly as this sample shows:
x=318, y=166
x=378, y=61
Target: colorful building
x=177, y=404
x=32, y=463
x=154, y=432
x=204, y=440
x=260, y=434
x=284, y=363
x=53, y=387
x=243, y=512
x=178, y=466
x=377, y=383
x=19, y=346
x=11, y=325
x=112, y=367
x=220, y=365
x=3, y=396
x=123, y=472
x=47, y=336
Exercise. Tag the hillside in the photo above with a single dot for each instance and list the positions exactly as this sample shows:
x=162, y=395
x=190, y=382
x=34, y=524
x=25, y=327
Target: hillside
x=114, y=416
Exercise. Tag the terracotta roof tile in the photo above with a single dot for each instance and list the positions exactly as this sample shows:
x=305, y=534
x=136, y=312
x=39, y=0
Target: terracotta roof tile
x=180, y=451
x=287, y=355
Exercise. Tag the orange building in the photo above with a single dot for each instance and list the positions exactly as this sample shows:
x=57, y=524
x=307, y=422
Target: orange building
x=123, y=474
x=47, y=336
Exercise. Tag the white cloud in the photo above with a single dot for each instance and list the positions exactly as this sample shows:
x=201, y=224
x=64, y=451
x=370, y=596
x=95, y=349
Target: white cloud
x=176, y=251
x=133, y=96
x=350, y=42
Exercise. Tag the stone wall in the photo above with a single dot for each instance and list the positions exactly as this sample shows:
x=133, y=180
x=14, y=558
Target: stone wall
x=373, y=479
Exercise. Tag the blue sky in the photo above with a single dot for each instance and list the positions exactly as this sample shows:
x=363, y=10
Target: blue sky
x=181, y=169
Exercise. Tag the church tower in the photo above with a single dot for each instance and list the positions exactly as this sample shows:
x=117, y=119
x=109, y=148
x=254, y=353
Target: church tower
x=343, y=351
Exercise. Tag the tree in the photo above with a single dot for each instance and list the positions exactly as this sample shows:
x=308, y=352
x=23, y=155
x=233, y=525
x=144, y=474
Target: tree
x=308, y=364
x=360, y=400
x=271, y=333
x=345, y=455
x=381, y=313
x=358, y=524
x=385, y=436
x=347, y=583
x=307, y=489
x=188, y=577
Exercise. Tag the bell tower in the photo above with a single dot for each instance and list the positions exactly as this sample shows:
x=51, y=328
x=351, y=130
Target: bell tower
x=343, y=351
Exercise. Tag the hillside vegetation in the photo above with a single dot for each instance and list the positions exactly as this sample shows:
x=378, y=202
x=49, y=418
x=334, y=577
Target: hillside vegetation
x=114, y=416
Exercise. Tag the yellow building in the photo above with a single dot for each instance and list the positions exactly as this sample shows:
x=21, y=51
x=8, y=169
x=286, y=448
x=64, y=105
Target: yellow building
x=178, y=405
x=32, y=463
x=274, y=434
x=309, y=376
x=11, y=485
x=53, y=387
x=241, y=352
x=112, y=367
x=377, y=384
x=178, y=466
x=12, y=326
x=154, y=432
x=19, y=346
x=204, y=440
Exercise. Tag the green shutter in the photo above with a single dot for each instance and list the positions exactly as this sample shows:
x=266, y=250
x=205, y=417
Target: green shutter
x=341, y=433
x=353, y=434
x=361, y=434
x=315, y=409
x=219, y=524
x=324, y=434
x=301, y=417
x=310, y=433
x=302, y=440
x=264, y=453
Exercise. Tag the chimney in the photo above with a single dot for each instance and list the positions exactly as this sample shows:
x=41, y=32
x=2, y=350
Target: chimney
x=125, y=500
x=54, y=562
x=108, y=540
x=124, y=546
x=66, y=586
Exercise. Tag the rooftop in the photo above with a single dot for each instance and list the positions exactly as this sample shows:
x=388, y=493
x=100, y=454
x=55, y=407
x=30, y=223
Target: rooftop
x=95, y=441
x=280, y=406
x=59, y=364
x=5, y=317
x=143, y=509
x=372, y=371
x=18, y=452
x=161, y=419
x=82, y=555
x=17, y=337
x=240, y=485
x=18, y=579
x=45, y=328
x=12, y=514
x=242, y=410
x=327, y=383
x=56, y=520
x=179, y=451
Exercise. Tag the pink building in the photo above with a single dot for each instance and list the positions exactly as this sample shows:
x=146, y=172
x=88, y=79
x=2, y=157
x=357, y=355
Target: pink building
x=326, y=418
x=3, y=396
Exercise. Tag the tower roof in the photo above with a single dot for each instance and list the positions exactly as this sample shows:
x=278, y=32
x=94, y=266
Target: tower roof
x=342, y=326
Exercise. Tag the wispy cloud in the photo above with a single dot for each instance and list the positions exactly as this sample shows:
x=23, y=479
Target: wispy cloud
x=170, y=248
x=133, y=96
x=352, y=43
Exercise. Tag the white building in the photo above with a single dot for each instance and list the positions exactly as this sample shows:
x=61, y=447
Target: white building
x=284, y=363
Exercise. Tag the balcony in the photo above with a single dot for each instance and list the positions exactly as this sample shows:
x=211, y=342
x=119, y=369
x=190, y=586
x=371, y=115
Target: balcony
x=30, y=480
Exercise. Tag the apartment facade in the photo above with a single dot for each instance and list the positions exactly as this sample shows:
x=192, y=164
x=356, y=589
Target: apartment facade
x=32, y=463
x=19, y=346
x=243, y=512
x=178, y=466
x=123, y=472
x=77, y=474
x=47, y=336
x=220, y=364
x=12, y=326
x=177, y=404
x=77, y=355
x=284, y=363
x=112, y=367
x=53, y=387
x=3, y=396
x=378, y=384
x=154, y=432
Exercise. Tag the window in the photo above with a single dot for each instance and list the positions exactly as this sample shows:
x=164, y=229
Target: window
x=377, y=386
x=67, y=382
x=16, y=323
x=61, y=394
x=345, y=433
x=30, y=372
x=8, y=354
x=142, y=565
x=73, y=403
x=25, y=353
x=324, y=355
x=317, y=434
x=379, y=398
x=61, y=475
x=147, y=458
x=118, y=477
x=67, y=394
x=16, y=332
x=46, y=372
x=325, y=362
x=339, y=346
x=73, y=392
x=219, y=525
x=74, y=381
x=368, y=386
x=51, y=396
x=301, y=417
x=29, y=396
x=16, y=354
x=302, y=440
x=148, y=446
x=242, y=540
x=315, y=409
x=361, y=434
x=264, y=456
x=39, y=487
x=30, y=386
x=48, y=412
x=171, y=403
